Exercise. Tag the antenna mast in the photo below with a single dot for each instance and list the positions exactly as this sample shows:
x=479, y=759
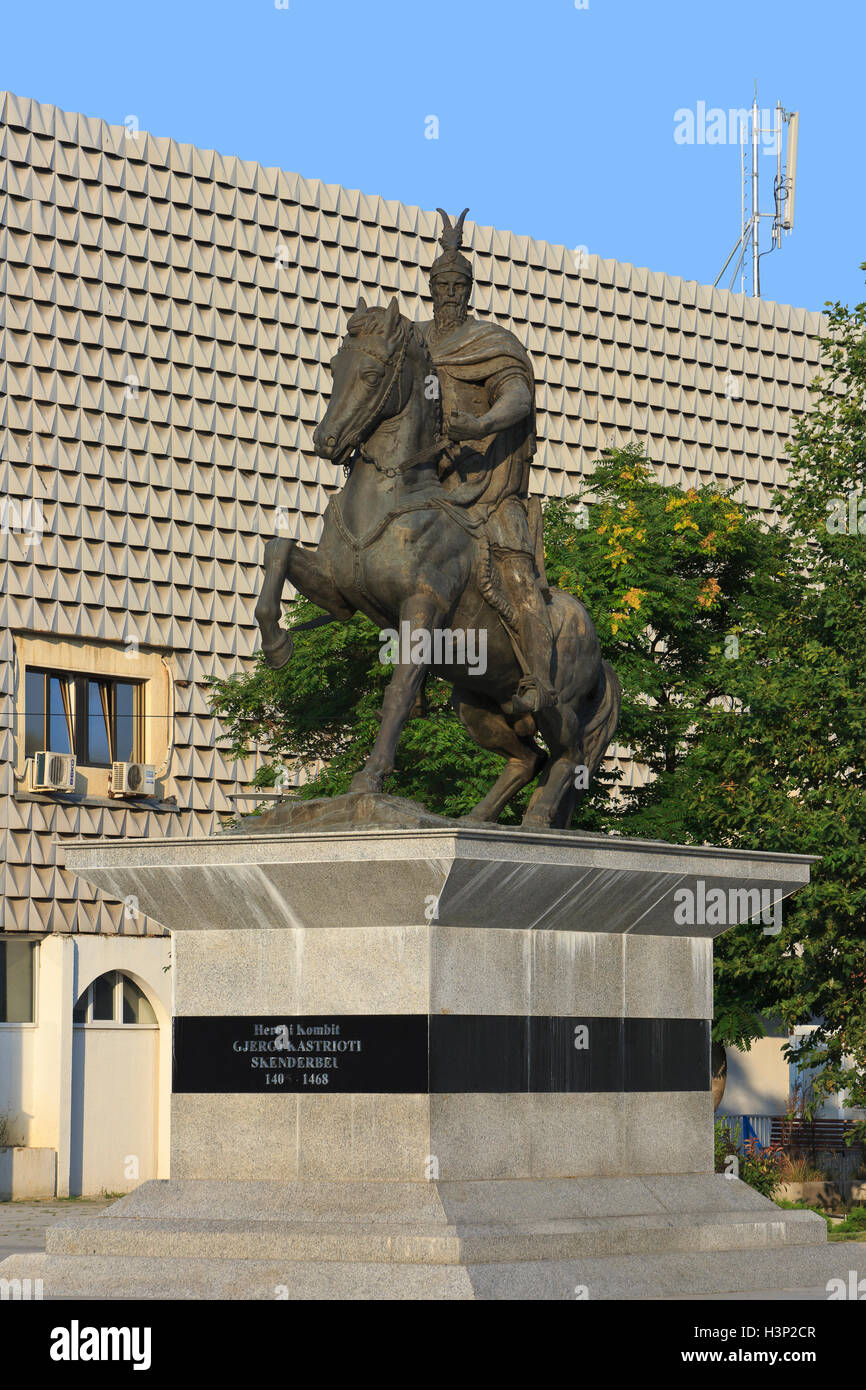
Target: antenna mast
x=784, y=187
x=756, y=225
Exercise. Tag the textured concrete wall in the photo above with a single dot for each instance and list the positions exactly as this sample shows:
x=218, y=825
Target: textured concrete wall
x=165, y=316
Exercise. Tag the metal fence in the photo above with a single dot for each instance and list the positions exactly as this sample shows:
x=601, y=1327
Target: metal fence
x=821, y=1141
x=757, y=1127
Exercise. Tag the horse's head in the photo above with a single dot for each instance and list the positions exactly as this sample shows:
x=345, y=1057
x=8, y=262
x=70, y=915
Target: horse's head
x=371, y=383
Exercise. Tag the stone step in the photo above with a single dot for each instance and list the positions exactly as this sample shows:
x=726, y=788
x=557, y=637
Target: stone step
x=491, y=1200
x=149, y=1277
x=796, y=1273
x=431, y=1243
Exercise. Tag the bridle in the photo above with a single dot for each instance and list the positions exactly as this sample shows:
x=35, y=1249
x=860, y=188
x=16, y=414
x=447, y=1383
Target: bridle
x=355, y=448
x=354, y=445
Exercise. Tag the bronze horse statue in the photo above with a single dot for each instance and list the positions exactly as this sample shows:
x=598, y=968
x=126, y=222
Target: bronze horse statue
x=395, y=547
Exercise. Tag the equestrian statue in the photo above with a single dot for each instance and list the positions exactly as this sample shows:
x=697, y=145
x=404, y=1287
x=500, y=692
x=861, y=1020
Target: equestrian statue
x=434, y=531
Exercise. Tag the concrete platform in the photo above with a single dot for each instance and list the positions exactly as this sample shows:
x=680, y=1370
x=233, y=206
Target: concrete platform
x=635, y=1238
x=479, y=876
x=444, y=1062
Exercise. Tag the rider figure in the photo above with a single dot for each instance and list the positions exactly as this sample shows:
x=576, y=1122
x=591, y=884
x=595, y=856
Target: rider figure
x=488, y=407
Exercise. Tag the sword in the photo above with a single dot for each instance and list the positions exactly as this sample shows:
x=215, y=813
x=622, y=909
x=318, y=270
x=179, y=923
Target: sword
x=322, y=620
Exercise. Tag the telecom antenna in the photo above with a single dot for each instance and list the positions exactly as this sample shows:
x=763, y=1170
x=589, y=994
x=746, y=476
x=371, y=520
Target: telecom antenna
x=784, y=189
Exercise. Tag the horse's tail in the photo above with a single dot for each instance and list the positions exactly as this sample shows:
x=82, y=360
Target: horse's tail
x=602, y=708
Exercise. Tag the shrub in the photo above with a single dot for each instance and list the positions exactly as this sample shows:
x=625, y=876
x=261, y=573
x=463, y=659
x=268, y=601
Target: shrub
x=799, y=1170
x=759, y=1167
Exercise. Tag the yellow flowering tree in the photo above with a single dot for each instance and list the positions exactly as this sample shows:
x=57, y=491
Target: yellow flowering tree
x=676, y=580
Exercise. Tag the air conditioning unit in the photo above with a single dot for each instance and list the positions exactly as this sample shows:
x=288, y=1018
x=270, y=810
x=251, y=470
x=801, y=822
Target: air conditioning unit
x=53, y=772
x=132, y=779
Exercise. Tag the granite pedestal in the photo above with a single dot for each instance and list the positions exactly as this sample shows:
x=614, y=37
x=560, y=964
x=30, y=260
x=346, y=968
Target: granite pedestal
x=438, y=1062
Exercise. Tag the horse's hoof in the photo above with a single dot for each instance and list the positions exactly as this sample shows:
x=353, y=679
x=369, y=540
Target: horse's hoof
x=279, y=653
x=366, y=782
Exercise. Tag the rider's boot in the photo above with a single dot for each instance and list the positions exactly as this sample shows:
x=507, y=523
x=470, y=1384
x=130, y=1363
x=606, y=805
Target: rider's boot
x=535, y=691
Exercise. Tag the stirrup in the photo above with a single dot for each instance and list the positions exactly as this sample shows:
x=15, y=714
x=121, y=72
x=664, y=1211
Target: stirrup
x=532, y=695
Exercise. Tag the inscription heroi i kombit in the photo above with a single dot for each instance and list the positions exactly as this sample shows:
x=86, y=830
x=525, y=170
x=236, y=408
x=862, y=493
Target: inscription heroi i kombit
x=310, y=1049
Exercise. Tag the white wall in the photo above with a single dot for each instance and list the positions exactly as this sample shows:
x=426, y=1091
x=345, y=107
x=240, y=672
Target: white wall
x=36, y=1061
x=761, y=1081
x=757, y=1081
x=17, y=1084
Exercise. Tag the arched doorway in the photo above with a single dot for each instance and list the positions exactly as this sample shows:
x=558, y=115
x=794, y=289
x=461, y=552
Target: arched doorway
x=115, y=1062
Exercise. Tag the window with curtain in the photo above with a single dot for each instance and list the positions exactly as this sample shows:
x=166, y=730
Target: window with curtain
x=48, y=720
x=99, y=720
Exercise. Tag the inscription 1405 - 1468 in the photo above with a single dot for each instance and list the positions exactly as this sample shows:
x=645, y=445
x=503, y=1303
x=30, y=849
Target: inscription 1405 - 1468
x=313, y=1049
x=360, y=1053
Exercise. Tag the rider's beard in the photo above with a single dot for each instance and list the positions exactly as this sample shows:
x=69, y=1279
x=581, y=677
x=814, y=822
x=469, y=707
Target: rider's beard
x=449, y=315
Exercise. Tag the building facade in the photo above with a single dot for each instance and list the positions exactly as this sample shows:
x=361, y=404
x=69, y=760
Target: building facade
x=166, y=317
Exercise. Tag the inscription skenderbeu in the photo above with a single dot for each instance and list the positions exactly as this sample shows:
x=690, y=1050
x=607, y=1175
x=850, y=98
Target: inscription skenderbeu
x=360, y=1053
x=314, y=1050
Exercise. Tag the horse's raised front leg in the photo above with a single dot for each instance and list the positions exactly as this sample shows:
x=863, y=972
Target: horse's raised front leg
x=277, y=644
x=400, y=696
x=285, y=560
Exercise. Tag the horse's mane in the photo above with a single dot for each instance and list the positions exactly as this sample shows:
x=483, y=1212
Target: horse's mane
x=364, y=322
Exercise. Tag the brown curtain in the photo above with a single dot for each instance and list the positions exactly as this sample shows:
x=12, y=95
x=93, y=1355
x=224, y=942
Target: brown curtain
x=68, y=710
x=105, y=697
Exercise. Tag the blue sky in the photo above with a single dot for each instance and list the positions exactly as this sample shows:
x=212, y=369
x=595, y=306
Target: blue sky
x=554, y=122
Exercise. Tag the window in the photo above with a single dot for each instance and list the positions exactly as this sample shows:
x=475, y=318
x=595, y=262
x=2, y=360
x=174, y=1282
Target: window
x=99, y=720
x=114, y=998
x=47, y=714
x=17, y=981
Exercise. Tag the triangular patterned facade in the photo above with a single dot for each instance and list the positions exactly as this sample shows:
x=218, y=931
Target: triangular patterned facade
x=165, y=317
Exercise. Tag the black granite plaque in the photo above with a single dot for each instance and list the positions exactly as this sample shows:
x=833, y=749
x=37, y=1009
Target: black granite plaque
x=355, y=1052
x=469, y=1053
x=442, y=1054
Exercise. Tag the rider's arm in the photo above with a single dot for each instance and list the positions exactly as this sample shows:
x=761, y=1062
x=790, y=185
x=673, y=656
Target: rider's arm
x=510, y=400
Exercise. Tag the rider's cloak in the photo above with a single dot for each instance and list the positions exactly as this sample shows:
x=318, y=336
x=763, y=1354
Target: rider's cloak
x=473, y=364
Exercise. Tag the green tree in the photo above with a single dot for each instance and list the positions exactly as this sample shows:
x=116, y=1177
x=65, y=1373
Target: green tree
x=787, y=773
x=675, y=582
x=320, y=714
